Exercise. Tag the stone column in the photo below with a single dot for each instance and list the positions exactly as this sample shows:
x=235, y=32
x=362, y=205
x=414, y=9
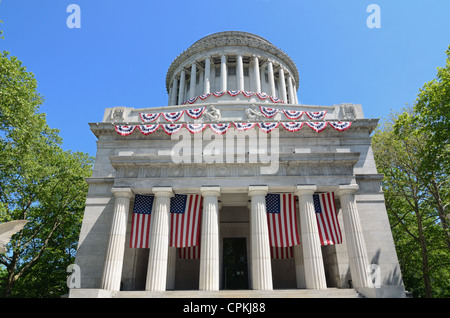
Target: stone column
x=182, y=88
x=260, y=248
x=257, y=74
x=159, y=240
x=112, y=270
x=282, y=86
x=207, y=85
x=223, y=72
x=173, y=101
x=357, y=253
x=271, y=78
x=240, y=73
x=291, y=90
x=312, y=252
x=209, y=244
x=193, y=80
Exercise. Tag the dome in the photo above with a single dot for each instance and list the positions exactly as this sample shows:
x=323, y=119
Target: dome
x=232, y=61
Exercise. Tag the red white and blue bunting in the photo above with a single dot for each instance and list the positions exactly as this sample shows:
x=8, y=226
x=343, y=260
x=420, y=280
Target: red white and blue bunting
x=340, y=125
x=221, y=128
x=219, y=93
x=268, y=112
x=317, y=126
x=149, y=117
x=195, y=113
x=268, y=127
x=316, y=115
x=192, y=100
x=125, y=130
x=173, y=116
x=244, y=126
x=148, y=129
x=293, y=114
x=204, y=96
x=292, y=126
x=171, y=128
x=234, y=93
x=196, y=128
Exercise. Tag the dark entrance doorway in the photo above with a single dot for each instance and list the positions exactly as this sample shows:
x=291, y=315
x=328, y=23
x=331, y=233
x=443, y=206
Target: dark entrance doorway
x=235, y=263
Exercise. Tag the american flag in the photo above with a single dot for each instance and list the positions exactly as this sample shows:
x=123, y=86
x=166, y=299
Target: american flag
x=329, y=230
x=140, y=225
x=281, y=252
x=191, y=252
x=282, y=220
x=185, y=221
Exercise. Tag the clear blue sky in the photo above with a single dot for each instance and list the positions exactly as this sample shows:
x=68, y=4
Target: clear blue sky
x=121, y=53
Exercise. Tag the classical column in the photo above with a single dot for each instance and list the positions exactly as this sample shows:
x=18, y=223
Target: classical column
x=271, y=78
x=209, y=244
x=112, y=270
x=356, y=245
x=173, y=101
x=260, y=248
x=257, y=74
x=240, y=73
x=282, y=86
x=207, y=85
x=223, y=72
x=312, y=252
x=193, y=80
x=159, y=240
x=291, y=90
x=182, y=88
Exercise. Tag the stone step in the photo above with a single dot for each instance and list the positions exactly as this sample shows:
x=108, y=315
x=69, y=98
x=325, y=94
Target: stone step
x=282, y=293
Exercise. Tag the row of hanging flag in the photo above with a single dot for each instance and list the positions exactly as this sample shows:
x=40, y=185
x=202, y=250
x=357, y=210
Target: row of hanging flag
x=196, y=113
x=185, y=223
x=262, y=96
x=221, y=128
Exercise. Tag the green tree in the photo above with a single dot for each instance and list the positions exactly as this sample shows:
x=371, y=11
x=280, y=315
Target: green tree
x=411, y=150
x=39, y=182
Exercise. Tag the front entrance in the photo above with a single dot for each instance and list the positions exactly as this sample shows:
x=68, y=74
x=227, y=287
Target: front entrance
x=235, y=263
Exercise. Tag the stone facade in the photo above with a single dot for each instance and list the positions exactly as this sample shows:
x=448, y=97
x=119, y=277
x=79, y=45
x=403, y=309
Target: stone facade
x=231, y=75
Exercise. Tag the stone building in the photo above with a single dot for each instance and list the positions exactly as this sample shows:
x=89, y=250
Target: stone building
x=235, y=142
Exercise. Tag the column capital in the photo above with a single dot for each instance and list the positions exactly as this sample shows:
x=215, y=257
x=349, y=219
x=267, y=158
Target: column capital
x=347, y=189
x=305, y=189
x=258, y=190
x=122, y=192
x=163, y=191
x=210, y=191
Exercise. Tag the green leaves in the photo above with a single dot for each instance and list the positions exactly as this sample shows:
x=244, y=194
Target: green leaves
x=411, y=150
x=40, y=182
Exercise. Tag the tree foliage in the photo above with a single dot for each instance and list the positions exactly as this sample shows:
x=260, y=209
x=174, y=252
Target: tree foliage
x=411, y=150
x=39, y=182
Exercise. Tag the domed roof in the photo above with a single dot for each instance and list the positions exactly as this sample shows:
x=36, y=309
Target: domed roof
x=231, y=38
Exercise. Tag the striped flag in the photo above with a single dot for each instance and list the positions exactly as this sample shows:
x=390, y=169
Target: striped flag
x=282, y=220
x=191, y=252
x=185, y=220
x=329, y=230
x=281, y=252
x=140, y=225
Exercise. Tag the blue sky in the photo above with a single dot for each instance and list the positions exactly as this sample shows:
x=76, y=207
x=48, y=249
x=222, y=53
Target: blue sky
x=121, y=53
